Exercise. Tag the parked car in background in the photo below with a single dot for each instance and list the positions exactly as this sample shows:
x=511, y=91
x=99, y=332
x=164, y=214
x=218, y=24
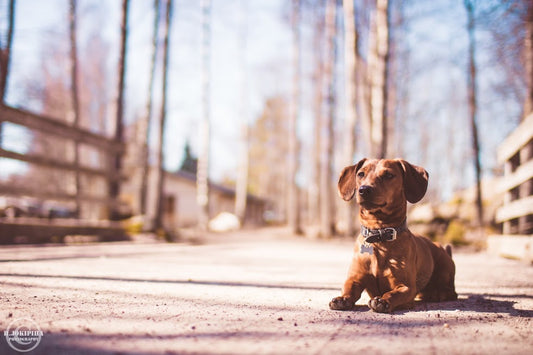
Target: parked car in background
x=13, y=207
x=55, y=209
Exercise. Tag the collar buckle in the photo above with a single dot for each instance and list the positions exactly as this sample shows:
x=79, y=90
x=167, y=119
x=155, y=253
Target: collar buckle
x=393, y=233
x=387, y=234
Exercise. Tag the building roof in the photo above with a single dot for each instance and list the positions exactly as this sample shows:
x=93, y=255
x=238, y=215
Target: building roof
x=225, y=190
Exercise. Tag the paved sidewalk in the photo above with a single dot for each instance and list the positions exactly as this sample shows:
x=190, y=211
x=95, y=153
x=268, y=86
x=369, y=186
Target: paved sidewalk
x=252, y=293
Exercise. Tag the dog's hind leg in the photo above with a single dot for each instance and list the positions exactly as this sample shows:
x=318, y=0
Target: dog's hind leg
x=438, y=291
x=441, y=286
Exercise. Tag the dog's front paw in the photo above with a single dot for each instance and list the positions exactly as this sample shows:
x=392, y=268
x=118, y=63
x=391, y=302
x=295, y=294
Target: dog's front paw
x=341, y=304
x=379, y=305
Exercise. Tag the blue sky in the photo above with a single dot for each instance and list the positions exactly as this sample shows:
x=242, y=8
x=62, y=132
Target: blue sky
x=437, y=45
x=38, y=20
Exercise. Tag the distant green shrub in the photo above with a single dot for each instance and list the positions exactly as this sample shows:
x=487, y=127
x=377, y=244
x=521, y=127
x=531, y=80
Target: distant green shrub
x=455, y=234
x=134, y=225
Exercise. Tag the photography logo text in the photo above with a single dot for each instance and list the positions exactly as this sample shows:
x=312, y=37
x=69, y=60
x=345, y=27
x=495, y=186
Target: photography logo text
x=23, y=335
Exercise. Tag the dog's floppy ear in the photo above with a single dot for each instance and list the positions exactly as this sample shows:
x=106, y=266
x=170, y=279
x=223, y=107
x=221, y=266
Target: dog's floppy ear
x=347, y=180
x=415, y=181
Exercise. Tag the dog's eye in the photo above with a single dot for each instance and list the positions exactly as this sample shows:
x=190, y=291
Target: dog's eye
x=388, y=176
x=360, y=174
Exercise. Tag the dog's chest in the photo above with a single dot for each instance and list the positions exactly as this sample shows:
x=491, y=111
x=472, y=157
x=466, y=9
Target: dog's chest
x=385, y=264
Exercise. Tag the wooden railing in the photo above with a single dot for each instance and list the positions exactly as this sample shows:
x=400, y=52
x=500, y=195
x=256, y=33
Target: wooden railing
x=95, y=207
x=516, y=154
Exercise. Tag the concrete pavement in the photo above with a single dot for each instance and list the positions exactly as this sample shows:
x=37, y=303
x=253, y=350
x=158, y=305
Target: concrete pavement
x=252, y=292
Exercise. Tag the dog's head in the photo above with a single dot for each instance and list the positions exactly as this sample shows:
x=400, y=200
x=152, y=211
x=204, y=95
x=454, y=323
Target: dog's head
x=383, y=184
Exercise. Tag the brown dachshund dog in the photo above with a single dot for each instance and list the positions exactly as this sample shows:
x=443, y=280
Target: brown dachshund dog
x=392, y=264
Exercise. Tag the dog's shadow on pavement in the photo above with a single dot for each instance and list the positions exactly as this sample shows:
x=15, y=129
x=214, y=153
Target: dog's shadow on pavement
x=478, y=303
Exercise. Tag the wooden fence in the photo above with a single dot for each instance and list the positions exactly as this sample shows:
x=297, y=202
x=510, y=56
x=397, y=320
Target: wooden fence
x=96, y=198
x=516, y=213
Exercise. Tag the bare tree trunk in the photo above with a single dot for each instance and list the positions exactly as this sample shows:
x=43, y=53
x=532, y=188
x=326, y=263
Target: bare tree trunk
x=399, y=77
x=74, y=65
x=202, y=188
x=293, y=207
x=371, y=72
x=327, y=206
x=5, y=52
x=5, y=58
x=472, y=105
x=313, y=194
x=75, y=97
x=114, y=185
x=379, y=64
x=162, y=118
x=528, y=58
x=145, y=123
x=241, y=188
x=364, y=92
x=350, y=63
x=318, y=82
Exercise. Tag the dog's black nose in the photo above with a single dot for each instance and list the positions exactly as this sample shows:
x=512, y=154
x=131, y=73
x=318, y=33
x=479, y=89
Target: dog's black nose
x=365, y=190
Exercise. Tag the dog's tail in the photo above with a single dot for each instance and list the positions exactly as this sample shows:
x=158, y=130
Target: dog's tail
x=448, y=249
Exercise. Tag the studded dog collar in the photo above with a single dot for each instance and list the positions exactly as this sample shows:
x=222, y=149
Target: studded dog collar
x=382, y=234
